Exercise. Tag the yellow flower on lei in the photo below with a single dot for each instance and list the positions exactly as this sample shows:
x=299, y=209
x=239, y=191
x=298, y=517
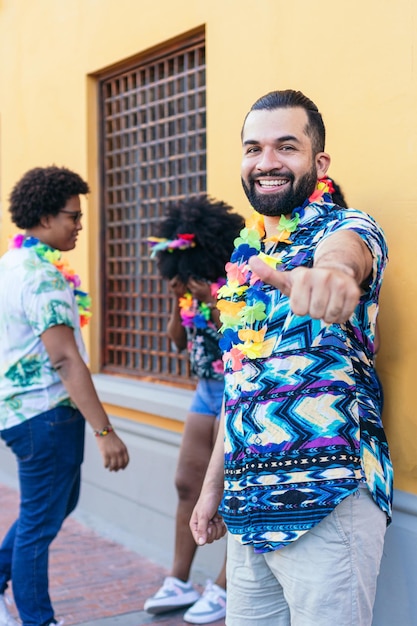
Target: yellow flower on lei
x=256, y=222
x=247, y=334
x=272, y=261
x=230, y=313
x=251, y=350
x=231, y=289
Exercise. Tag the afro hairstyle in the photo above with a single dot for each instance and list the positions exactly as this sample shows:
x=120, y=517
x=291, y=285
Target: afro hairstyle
x=338, y=196
x=215, y=227
x=43, y=191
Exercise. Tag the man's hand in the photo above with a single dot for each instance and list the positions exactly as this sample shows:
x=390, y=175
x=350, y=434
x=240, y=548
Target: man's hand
x=206, y=523
x=329, y=294
x=114, y=452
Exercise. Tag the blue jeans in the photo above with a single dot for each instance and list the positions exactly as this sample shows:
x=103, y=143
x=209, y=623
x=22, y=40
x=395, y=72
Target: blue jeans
x=49, y=449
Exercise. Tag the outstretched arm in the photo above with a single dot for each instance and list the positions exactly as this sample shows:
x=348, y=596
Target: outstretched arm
x=206, y=523
x=63, y=352
x=330, y=290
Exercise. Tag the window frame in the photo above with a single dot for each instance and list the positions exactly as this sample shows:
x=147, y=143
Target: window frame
x=167, y=365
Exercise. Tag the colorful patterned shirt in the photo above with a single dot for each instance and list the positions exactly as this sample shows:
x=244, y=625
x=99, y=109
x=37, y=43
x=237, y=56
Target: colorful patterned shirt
x=303, y=425
x=204, y=352
x=34, y=296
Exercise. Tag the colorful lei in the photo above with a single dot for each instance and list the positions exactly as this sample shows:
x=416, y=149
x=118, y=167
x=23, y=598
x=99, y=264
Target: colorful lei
x=242, y=302
x=182, y=242
x=53, y=256
x=197, y=314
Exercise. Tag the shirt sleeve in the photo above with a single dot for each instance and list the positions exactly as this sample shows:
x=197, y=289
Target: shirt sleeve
x=48, y=299
x=371, y=233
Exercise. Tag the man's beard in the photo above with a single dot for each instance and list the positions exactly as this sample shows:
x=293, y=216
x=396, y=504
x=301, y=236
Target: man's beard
x=283, y=203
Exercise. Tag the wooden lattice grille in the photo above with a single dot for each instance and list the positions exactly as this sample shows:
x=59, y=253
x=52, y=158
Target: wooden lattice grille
x=153, y=129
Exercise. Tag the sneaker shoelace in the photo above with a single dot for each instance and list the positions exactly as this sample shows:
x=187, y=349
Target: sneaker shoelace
x=208, y=588
x=168, y=584
x=211, y=592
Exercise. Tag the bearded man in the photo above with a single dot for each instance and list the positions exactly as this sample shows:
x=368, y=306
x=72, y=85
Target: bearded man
x=302, y=477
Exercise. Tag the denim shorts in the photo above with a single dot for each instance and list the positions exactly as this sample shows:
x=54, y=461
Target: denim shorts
x=208, y=397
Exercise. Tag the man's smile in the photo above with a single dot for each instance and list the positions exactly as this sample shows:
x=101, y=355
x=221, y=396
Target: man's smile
x=271, y=184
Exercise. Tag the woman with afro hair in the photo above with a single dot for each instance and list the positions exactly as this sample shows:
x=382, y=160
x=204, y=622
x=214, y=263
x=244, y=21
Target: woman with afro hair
x=193, y=244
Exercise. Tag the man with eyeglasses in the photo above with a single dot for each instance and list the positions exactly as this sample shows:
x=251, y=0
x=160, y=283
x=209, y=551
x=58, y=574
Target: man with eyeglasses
x=46, y=390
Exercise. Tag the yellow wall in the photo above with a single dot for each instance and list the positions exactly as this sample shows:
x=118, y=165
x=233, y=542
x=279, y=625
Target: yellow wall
x=356, y=59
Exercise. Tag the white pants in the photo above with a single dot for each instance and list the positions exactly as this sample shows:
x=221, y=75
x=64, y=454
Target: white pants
x=325, y=578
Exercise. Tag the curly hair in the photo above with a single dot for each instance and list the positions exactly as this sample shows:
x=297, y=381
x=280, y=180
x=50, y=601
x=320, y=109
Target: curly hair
x=214, y=227
x=338, y=196
x=43, y=191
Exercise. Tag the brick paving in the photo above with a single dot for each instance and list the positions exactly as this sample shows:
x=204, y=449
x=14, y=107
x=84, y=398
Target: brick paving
x=93, y=580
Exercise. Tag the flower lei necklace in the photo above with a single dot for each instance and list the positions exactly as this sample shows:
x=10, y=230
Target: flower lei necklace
x=53, y=256
x=195, y=314
x=183, y=241
x=242, y=302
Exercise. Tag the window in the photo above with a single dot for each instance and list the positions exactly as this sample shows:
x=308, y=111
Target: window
x=153, y=151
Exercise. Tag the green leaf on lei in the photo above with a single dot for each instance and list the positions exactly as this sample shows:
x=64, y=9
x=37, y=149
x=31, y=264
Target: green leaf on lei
x=288, y=224
x=250, y=237
x=253, y=313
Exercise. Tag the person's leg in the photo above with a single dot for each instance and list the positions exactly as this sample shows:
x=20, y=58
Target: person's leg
x=177, y=591
x=194, y=456
x=6, y=556
x=198, y=439
x=254, y=596
x=329, y=575
x=221, y=577
x=49, y=449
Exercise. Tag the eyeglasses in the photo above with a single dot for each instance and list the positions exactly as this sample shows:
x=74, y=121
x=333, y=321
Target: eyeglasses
x=76, y=216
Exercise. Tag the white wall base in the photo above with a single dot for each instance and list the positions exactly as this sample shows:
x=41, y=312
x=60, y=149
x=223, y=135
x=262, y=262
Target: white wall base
x=396, y=599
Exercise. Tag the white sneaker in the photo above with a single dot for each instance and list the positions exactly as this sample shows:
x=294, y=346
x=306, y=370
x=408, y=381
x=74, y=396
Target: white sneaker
x=5, y=618
x=209, y=608
x=174, y=594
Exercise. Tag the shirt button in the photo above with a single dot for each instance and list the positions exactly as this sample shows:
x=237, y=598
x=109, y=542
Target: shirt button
x=254, y=499
x=247, y=450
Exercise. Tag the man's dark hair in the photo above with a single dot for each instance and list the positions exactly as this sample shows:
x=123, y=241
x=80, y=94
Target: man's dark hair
x=214, y=226
x=288, y=99
x=43, y=191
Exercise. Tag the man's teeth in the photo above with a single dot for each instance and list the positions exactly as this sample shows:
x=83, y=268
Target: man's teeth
x=272, y=182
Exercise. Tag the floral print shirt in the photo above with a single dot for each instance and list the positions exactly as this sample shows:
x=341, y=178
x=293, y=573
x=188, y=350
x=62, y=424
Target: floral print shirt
x=34, y=296
x=204, y=352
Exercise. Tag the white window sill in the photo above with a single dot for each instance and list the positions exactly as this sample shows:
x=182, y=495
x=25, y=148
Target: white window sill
x=153, y=398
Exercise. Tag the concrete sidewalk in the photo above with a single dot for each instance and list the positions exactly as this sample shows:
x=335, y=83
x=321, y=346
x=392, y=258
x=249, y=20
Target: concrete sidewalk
x=95, y=581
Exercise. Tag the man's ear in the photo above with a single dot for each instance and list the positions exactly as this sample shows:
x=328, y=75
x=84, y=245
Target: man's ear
x=322, y=163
